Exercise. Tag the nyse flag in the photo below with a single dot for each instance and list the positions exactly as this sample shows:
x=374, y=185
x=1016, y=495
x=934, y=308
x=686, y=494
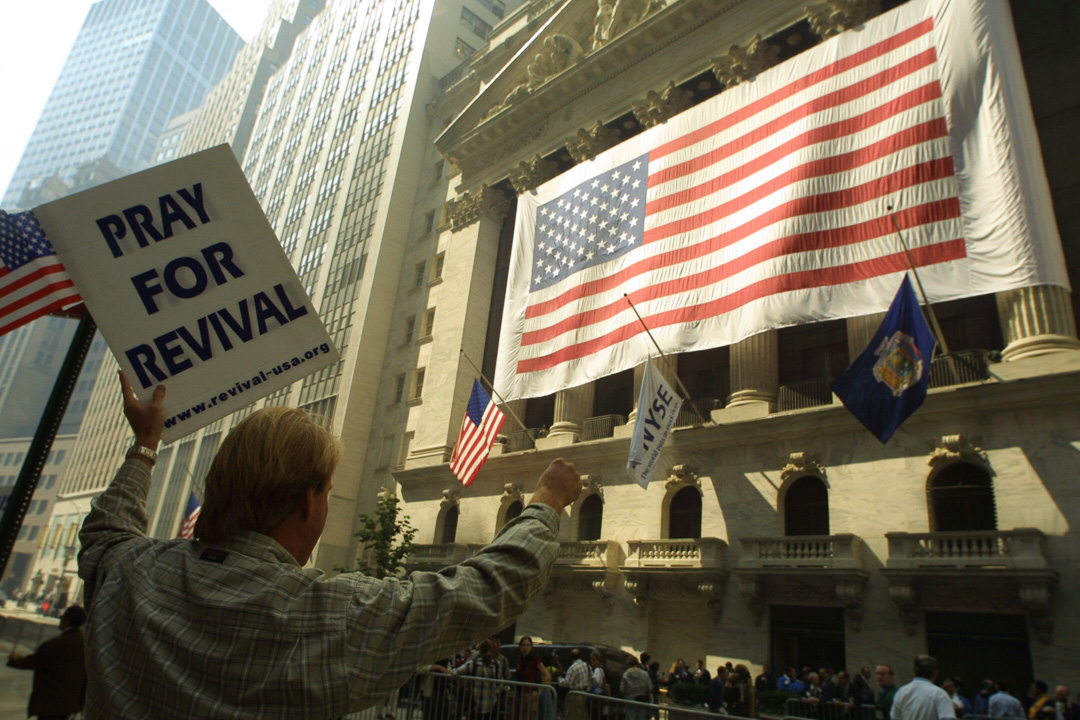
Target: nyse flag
x=658, y=408
x=33, y=282
x=767, y=205
x=888, y=381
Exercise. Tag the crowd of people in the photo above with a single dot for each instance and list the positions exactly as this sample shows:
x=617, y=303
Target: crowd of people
x=869, y=694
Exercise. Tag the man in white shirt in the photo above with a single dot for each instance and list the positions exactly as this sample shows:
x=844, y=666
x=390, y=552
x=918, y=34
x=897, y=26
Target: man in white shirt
x=577, y=677
x=921, y=699
x=1003, y=705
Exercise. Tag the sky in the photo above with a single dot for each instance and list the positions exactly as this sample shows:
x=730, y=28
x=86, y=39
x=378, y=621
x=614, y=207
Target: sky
x=37, y=38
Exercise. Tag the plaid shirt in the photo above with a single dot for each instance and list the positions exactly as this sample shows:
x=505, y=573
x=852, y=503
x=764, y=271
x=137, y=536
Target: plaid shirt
x=577, y=676
x=240, y=630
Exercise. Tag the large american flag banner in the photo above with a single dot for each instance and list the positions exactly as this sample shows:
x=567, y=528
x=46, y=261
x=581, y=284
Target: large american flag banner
x=33, y=283
x=768, y=205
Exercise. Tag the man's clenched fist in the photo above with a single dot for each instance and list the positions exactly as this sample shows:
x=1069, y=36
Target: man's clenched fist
x=559, y=486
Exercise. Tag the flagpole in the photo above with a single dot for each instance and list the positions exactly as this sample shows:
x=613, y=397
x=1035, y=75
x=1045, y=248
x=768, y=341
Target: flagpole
x=497, y=395
x=678, y=380
x=939, y=336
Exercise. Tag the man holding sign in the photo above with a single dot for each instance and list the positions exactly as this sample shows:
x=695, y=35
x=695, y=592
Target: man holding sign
x=232, y=625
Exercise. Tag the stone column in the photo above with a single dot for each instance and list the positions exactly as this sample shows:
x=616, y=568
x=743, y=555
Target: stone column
x=1036, y=320
x=859, y=332
x=475, y=219
x=572, y=406
x=755, y=377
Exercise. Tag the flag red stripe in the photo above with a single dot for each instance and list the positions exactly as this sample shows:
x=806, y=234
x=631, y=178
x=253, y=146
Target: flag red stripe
x=472, y=434
x=841, y=274
x=29, y=278
x=40, y=312
x=908, y=137
x=804, y=242
x=840, y=66
x=824, y=202
x=919, y=96
x=479, y=458
x=37, y=295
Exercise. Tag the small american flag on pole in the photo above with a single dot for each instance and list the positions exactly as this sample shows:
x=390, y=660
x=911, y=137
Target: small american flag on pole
x=479, y=428
x=187, y=527
x=33, y=282
x=768, y=205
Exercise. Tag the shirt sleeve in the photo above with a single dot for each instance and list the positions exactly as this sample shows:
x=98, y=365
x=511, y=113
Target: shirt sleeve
x=944, y=707
x=117, y=515
x=395, y=625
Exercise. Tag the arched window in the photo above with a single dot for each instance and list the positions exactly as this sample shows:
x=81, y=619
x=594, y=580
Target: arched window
x=961, y=497
x=449, y=528
x=512, y=511
x=806, y=507
x=590, y=518
x=685, y=513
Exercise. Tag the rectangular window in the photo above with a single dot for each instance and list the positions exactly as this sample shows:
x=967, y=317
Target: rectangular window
x=437, y=266
x=463, y=51
x=429, y=222
x=399, y=388
x=418, y=278
x=495, y=6
x=439, y=165
x=472, y=21
x=417, y=384
x=429, y=322
x=410, y=328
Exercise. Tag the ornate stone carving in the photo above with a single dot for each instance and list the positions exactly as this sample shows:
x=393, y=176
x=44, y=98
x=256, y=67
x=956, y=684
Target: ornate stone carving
x=713, y=592
x=512, y=492
x=850, y=595
x=833, y=17
x=385, y=494
x=590, y=142
x=802, y=463
x=590, y=484
x=467, y=209
x=954, y=448
x=682, y=475
x=529, y=174
x=450, y=497
x=753, y=591
x=659, y=107
x=903, y=594
x=639, y=591
x=744, y=64
x=557, y=53
x=614, y=17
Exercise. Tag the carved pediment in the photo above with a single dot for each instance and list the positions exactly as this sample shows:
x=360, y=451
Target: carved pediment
x=682, y=475
x=450, y=497
x=802, y=463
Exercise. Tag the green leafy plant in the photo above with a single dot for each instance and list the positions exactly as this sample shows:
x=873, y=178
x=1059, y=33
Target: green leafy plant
x=387, y=539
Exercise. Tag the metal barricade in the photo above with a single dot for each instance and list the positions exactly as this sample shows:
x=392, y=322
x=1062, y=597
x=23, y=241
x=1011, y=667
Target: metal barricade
x=799, y=708
x=580, y=705
x=445, y=696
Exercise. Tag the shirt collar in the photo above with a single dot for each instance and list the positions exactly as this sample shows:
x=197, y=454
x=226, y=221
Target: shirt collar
x=258, y=546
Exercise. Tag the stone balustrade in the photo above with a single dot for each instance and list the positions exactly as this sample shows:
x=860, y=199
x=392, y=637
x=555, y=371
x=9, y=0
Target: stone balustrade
x=705, y=553
x=589, y=553
x=830, y=552
x=1021, y=549
x=439, y=554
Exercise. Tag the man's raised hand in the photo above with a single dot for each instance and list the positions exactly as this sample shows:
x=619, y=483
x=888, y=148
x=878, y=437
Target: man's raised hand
x=559, y=486
x=147, y=420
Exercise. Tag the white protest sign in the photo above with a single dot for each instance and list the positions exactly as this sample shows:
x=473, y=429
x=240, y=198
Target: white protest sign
x=189, y=286
x=657, y=410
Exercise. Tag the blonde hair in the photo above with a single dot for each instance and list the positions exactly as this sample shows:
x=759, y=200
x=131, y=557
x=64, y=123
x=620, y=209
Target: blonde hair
x=262, y=472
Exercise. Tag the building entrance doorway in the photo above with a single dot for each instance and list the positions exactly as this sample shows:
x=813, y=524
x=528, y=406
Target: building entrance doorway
x=975, y=646
x=806, y=636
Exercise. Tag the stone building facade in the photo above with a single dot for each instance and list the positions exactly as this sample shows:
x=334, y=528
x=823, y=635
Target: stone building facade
x=780, y=530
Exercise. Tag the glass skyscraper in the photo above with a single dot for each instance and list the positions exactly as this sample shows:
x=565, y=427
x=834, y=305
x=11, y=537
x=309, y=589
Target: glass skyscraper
x=135, y=65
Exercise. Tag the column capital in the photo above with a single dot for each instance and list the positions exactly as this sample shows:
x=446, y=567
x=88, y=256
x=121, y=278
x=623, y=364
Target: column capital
x=470, y=206
x=743, y=64
x=530, y=174
x=589, y=142
x=657, y=108
x=833, y=17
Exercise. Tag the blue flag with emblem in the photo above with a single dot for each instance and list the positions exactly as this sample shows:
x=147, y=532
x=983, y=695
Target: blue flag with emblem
x=888, y=381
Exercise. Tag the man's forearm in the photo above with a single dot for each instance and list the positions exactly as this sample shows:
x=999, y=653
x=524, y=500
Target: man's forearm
x=118, y=514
